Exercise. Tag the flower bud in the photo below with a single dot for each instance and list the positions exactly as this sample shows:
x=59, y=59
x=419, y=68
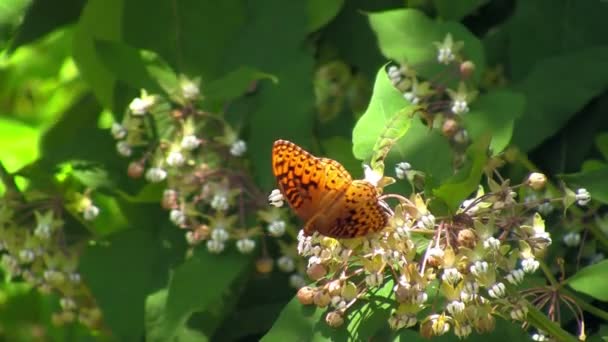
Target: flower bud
x=466, y=69
x=467, y=238
x=135, y=170
x=449, y=127
x=334, y=319
x=322, y=299
x=334, y=288
x=536, y=181
x=306, y=295
x=316, y=271
x=264, y=265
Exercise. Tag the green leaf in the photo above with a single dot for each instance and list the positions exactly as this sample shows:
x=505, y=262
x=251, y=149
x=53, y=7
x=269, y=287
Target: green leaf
x=456, y=10
x=213, y=273
x=126, y=64
x=18, y=144
x=495, y=113
x=556, y=89
x=466, y=180
x=234, y=84
x=320, y=12
x=41, y=18
x=590, y=280
x=594, y=180
x=341, y=149
x=601, y=142
x=120, y=275
x=100, y=19
x=385, y=104
x=408, y=35
x=575, y=29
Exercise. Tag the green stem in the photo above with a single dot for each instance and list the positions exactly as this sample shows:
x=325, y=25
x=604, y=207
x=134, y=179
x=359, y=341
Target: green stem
x=548, y=274
x=541, y=321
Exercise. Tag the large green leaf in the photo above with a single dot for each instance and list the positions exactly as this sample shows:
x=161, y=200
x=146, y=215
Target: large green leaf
x=198, y=285
x=573, y=27
x=386, y=103
x=466, y=180
x=595, y=180
x=590, y=280
x=495, y=113
x=556, y=89
x=120, y=275
x=426, y=150
x=408, y=35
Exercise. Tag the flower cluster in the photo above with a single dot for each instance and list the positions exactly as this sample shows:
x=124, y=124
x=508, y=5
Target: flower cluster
x=33, y=250
x=198, y=158
x=468, y=266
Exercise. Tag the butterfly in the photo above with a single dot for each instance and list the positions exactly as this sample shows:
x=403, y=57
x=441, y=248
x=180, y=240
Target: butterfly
x=324, y=195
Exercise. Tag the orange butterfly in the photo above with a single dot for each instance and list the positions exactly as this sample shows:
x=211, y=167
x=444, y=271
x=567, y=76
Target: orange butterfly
x=323, y=193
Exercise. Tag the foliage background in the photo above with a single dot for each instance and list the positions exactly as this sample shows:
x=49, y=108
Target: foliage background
x=69, y=65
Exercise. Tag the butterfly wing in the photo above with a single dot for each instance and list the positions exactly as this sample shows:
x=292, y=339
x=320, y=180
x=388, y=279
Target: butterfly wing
x=356, y=213
x=305, y=180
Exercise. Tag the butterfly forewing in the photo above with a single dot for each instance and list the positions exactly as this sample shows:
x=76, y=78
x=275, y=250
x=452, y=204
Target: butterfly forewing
x=323, y=194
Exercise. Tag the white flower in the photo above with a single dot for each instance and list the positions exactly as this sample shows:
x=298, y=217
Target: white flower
x=276, y=198
x=286, y=264
x=190, y=89
x=515, y=277
x=572, y=239
x=374, y=279
x=118, y=131
x=297, y=281
x=463, y=330
x=582, y=197
x=451, y=276
x=469, y=292
x=460, y=106
x=539, y=336
x=43, y=231
x=497, y=290
x=156, y=174
x=479, y=268
x=445, y=55
x=190, y=142
x=139, y=106
x=401, y=169
x=124, y=149
x=399, y=321
x=220, y=202
x=530, y=265
x=304, y=244
x=219, y=234
x=411, y=97
x=427, y=221
x=491, y=243
x=67, y=303
x=175, y=158
x=461, y=136
x=394, y=74
x=519, y=312
x=90, y=212
x=215, y=246
x=74, y=277
x=26, y=256
x=276, y=228
x=371, y=176
x=238, y=148
x=177, y=217
x=245, y=245
x=455, y=308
